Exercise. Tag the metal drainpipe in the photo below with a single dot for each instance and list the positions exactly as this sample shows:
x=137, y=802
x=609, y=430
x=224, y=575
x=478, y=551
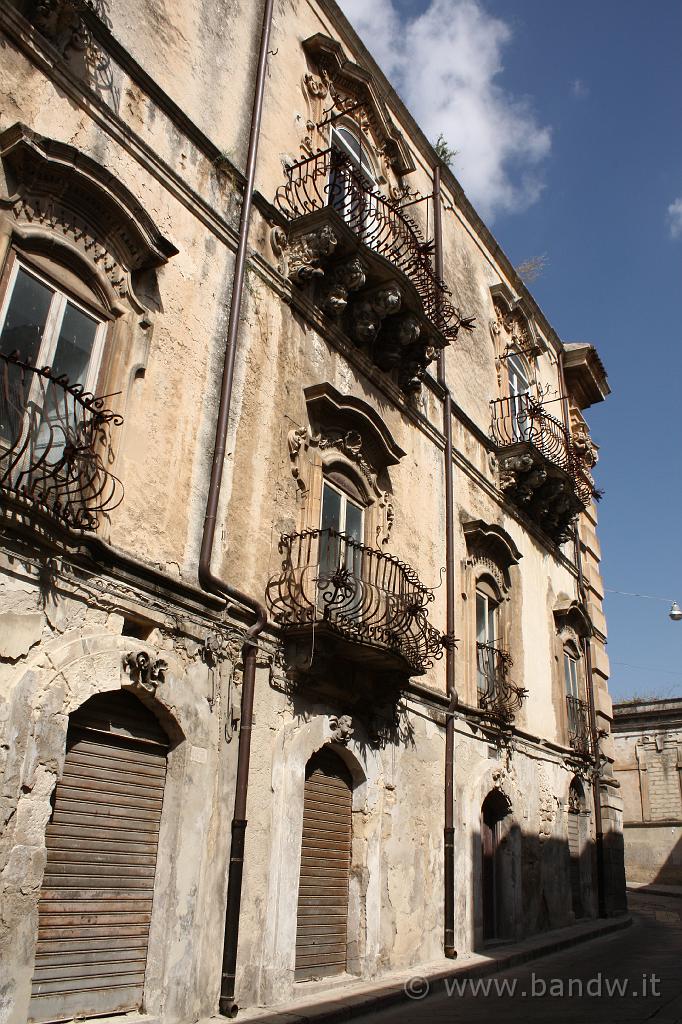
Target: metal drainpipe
x=449, y=824
x=212, y=583
x=587, y=650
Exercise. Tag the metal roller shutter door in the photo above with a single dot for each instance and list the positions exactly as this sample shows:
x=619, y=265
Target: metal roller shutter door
x=321, y=937
x=95, y=904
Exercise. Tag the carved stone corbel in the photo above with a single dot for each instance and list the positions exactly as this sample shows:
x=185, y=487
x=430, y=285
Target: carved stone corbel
x=399, y=335
x=142, y=670
x=369, y=312
x=348, y=277
x=341, y=728
x=306, y=251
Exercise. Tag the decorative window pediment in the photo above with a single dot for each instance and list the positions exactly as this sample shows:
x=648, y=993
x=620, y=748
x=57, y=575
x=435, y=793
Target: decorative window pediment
x=513, y=330
x=572, y=621
x=491, y=550
x=345, y=436
x=345, y=86
x=51, y=186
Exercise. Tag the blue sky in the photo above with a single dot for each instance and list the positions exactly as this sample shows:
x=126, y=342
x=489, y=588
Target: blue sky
x=568, y=123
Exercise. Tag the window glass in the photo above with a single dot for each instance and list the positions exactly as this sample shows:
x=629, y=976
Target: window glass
x=486, y=630
x=27, y=311
x=331, y=509
x=348, y=143
x=570, y=675
x=75, y=344
x=47, y=329
x=481, y=618
x=353, y=526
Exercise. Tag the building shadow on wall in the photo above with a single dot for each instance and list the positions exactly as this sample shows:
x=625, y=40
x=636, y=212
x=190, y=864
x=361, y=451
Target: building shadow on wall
x=670, y=872
x=78, y=30
x=524, y=884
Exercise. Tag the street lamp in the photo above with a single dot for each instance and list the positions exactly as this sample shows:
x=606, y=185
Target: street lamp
x=675, y=613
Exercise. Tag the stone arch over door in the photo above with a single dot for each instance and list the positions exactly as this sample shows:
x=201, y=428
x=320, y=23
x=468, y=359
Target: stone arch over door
x=59, y=679
x=296, y=745
x=496, y=875
x=486, y=778
x=580, y=849
x=95, y=904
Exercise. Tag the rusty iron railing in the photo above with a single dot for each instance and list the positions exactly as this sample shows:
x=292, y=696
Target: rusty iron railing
x=497, y=694
x=329, y=178
x=364, y=595
x=55, y=446
x=579, y=734
x=522, y=418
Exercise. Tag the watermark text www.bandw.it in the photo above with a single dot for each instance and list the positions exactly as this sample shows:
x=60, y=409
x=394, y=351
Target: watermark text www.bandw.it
x=558, y=988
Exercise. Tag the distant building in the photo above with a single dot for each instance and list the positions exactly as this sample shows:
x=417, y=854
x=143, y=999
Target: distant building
x=380, y=561
x=647, y=738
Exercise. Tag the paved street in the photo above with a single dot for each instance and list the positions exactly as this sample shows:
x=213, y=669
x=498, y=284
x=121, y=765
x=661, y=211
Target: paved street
x=644, y=960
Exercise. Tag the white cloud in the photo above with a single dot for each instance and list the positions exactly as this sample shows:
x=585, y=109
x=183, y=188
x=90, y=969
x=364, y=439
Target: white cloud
x=444, y=63
x=675, y=218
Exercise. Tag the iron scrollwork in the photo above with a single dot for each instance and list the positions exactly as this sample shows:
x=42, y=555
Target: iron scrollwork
x=498, y=696
x=364, y=595
x=55, y=444
x=328, y=178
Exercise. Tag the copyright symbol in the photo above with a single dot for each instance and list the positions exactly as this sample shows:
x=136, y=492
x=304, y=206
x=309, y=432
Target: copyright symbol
x=416, y=988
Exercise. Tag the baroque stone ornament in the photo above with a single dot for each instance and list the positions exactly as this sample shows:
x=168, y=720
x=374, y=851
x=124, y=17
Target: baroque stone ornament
x=305, y=253
x=142, y=670
x=345, y=278
x=341, y=727
x=547, y=805
x=59, y=191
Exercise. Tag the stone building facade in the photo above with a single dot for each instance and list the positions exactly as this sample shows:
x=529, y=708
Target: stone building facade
x=648, y=765
x=307, y=567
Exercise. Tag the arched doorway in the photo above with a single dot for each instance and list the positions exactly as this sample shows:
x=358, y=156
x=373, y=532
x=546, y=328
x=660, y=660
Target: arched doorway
x=322, y=919
x=576, y=804
x=95, y=905
x=493, y=812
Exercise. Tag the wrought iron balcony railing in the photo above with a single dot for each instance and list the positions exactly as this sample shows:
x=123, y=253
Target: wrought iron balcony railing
x=365, y=596
x=55, y=445
x=541, y=467
x=329, y=178
x=497, y=694
x=579, y=734
x=521, y=418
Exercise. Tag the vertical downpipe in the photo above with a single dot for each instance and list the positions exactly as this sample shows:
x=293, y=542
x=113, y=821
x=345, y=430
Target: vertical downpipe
x=449, y=824
x=587, y=650
x=207, y=578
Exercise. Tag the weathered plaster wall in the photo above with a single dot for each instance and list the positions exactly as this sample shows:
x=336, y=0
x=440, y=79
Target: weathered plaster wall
x=63, y=648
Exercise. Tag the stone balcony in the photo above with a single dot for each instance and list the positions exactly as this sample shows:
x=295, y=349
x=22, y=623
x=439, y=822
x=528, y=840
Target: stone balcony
x=362, y=604
x=363, y=262
x=543, y=469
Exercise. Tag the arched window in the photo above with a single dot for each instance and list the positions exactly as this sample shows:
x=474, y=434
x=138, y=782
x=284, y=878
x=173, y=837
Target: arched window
x=488, y=601
x=341, y=525
x=52, y=323
x=571, y=670
x=352, y=180
x=347, y=143
x=519, y=389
